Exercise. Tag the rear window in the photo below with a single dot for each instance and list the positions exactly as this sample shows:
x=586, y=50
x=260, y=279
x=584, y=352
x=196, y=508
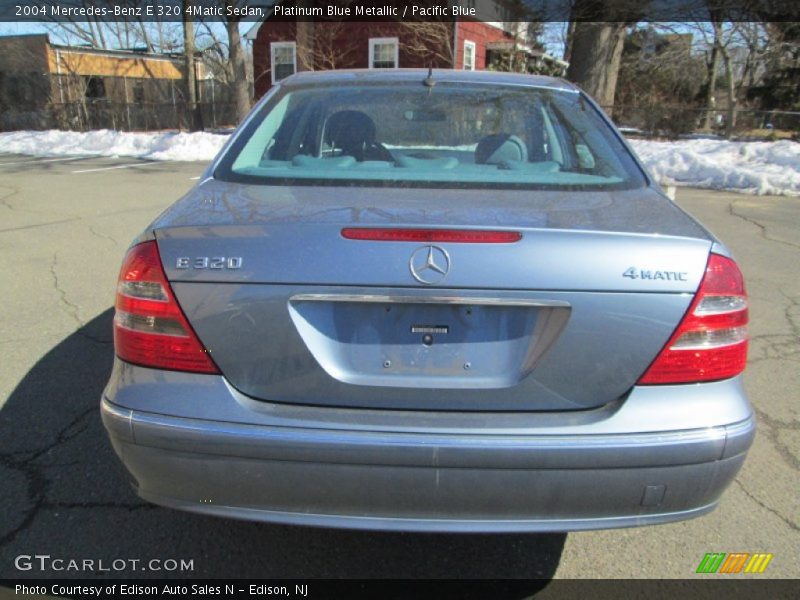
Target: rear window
x=453, y=135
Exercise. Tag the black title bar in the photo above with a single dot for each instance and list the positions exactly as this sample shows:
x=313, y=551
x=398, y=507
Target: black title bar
x=392, y=10
x=733, y=588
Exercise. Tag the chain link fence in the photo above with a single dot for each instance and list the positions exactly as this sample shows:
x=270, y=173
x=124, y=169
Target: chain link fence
x=81, y=103
x=678, y=121
x=146, y=116
x=103, y=114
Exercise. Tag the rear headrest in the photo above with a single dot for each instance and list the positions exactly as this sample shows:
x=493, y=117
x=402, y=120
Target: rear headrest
x=500, y=147
x=348, y=128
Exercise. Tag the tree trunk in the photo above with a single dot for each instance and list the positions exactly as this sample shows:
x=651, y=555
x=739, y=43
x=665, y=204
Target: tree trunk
x=595, y=54
x=711, y=89
x=192, y=117
x=145, y=36
x=241, y=96
x=730, y=121
x=568, y=41
x=305, y=45
x=100, y=36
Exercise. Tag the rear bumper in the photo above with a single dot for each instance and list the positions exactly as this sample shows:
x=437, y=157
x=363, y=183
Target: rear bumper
x=427, y=480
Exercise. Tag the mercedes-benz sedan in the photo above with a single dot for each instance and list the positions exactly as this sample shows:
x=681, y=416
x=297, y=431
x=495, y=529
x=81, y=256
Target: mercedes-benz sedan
x=446, y=301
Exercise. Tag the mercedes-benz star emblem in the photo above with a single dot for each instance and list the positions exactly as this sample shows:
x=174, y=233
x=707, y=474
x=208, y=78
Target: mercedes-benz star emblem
x=429, y=264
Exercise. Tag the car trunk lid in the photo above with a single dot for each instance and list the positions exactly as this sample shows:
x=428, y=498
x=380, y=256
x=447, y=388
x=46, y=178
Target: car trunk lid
x=565, y=318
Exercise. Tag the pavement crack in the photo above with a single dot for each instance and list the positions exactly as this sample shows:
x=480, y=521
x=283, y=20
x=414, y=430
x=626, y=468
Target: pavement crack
x=70, y=308
x=13, y=191
x=791, y=319
x=34, y=473
x=774, y=347
x=37, y=486
x=5, y=196
x=790, y=523
x=762, y=227
x=774, y=427
x=72, y=429
x=37, y=225
x=103, y=236
x=780, y=346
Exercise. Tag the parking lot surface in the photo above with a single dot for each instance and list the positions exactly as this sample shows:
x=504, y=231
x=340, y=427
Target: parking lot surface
x=64, y=227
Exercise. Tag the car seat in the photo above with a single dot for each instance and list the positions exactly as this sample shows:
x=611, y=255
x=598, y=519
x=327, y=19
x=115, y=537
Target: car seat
x=353, y=132
x=500, y=147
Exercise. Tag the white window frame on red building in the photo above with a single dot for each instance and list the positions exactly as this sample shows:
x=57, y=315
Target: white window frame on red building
x=384, y=41
x=281, y=45
x=471, y=45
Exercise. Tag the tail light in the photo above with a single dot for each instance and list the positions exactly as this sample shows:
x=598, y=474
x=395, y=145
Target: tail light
x=149, y=327
x=711, y=340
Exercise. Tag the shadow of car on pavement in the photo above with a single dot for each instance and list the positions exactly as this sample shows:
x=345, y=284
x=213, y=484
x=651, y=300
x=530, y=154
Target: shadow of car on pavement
x=65, y=494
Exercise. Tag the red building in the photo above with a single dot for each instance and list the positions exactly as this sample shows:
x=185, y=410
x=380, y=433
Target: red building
x=281, y=47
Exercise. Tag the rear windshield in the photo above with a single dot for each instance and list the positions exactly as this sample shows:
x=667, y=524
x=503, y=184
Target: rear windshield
x=453, y=135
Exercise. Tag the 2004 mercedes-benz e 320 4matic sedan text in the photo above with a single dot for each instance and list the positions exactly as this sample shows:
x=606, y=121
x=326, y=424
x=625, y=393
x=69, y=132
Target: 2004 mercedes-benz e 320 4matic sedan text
x=444, y=301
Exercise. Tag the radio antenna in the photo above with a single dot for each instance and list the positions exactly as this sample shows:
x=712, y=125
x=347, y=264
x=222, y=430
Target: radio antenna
x=429, y=81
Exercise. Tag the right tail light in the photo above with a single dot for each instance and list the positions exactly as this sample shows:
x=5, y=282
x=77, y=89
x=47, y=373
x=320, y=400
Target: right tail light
x=711, y=341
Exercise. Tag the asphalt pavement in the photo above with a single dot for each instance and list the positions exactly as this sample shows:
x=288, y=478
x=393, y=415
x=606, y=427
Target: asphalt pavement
x=64, y=227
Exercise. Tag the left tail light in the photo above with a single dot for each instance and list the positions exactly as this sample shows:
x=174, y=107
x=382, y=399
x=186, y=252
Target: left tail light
x=150, y=328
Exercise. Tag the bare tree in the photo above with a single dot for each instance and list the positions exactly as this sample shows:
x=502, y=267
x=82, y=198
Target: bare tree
x=153, y=34
x=780, y=88
x=596, y=42
x=193, y=116
x=659, y=81
x=70, y=32
x=711, y=81
x=430, y=41
x=744, y=51
x=755, y=39
x=328, y=48
x=717, y=37
x=238, y=70
x=724, y=51
x=569, y=35
x=595, y=53
x=224, y=55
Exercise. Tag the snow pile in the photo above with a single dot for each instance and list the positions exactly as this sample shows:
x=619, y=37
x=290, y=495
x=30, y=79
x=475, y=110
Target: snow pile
x=749, y=167
x=154, y=146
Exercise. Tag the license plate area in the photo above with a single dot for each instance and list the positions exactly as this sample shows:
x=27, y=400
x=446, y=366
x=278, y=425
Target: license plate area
x=434, y=342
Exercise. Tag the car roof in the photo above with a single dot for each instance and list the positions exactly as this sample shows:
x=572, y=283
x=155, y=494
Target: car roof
x=369, y=76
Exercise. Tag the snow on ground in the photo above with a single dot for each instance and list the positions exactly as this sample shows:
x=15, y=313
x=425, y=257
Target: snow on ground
x=749, y=167
x=104, y=142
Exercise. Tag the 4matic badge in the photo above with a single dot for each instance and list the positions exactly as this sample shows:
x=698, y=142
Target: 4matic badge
x=636, y=273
